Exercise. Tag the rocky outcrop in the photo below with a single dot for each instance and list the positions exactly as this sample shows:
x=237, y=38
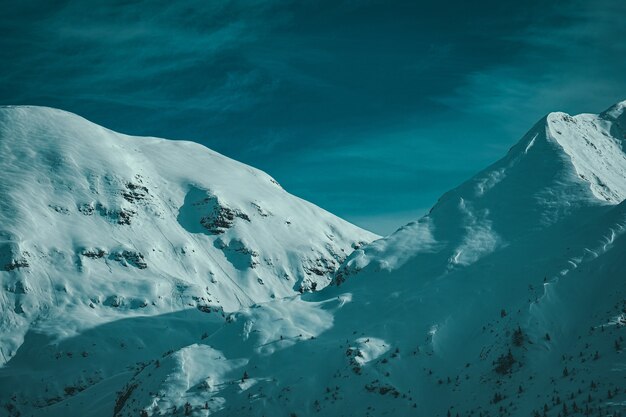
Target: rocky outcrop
x=130, y=258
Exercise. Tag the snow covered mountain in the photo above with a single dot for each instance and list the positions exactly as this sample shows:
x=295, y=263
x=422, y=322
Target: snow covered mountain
x=507, y=299
x=96, y=226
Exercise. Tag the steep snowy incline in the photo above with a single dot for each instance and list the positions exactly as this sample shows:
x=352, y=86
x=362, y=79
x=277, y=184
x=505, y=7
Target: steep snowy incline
x=562, y=168
x=96, y=226
x=507, y=299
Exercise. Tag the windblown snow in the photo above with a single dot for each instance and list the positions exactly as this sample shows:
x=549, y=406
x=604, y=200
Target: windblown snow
x=143, y=277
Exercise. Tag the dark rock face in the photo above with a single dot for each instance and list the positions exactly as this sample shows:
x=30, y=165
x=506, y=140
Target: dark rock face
x=132, y=258
x=204, y=212
x=87, y=209
x=124, y=216
x=320, y=267
x=260, y=210
x=11, y=257
x=16, y=264
x=120, y=216
x=221, y=218
x=135, y=192
x=94, y=253
x=59, y=209
x=113, y=301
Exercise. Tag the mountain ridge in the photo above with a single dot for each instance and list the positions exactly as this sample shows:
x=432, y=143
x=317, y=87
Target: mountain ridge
x=556, y=177
x=507, y=299
x=148, y=214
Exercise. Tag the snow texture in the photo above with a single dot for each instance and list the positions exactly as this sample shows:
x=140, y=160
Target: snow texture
x=148, y=277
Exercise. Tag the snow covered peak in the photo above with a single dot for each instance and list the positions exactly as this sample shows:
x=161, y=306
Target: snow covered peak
x=595, y=146
x=509, y=295
x=617, y=112
x=96, y=225
x=125, y=258
x=563, y=167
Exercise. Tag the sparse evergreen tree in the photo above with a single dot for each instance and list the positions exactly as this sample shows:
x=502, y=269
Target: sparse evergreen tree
x=518, y=337
x=505, y=363
x=497, y=397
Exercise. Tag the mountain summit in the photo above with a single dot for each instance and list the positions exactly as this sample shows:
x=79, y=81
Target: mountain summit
x=565, y=168
x=145, y=277
x=97, y=226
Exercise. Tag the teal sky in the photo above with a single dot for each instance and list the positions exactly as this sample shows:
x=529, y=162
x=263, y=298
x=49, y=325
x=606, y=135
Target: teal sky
x=369, y=109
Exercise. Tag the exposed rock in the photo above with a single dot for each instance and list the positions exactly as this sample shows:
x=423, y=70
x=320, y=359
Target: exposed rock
x=358, y=245
x=16, y=264
x=124, y=216
x=262, y=212
x=221, y=218
x=121, y=216
x=87, y=208
x=307, y=285
x=114, y=301
x=132, y=258
x=96, y=253
x=135, y=192
x=320, y=267
x=59, y=209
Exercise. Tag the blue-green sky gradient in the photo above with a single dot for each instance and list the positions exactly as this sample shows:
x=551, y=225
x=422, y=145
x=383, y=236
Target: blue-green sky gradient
x=370, y=109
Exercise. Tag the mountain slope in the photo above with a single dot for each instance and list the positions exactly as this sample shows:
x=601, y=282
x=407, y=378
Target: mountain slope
x=507, y=299
x=562, y=168
x=96, y=226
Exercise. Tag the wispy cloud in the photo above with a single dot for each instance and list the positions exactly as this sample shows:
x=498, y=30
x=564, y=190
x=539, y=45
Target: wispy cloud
x=136, y=53
x=571, y=59
x=371, y=109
